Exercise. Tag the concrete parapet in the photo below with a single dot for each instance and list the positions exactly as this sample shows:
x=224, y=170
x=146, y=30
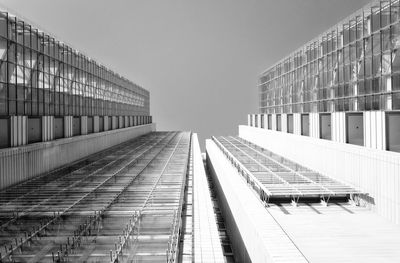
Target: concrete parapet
x=24, y=162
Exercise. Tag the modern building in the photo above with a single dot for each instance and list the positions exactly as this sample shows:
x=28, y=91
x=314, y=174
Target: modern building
x=338, y=97
x=50, y=92
x=314, y=176
x=84, y=176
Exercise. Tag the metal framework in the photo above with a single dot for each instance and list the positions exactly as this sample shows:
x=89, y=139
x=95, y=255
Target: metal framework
x=42, y=76
x=121, y=205
x=353, y=66
x=274, y=176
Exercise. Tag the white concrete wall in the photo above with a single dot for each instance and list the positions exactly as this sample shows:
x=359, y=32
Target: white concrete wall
x=207, y=246
x=375, y=172
x=255, y=235
x=24, y=162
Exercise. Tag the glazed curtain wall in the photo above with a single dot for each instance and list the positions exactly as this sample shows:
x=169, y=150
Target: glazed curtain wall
x=354, y=66
x=42, y=76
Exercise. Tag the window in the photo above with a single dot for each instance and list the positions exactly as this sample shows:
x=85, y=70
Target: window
x=393, y=131
x=278, y=122
x=262, y=121
x=325, y=126
x=4, y=133
x=290, y=123
x=355, y=128
x=269, y=122
x=305, y=124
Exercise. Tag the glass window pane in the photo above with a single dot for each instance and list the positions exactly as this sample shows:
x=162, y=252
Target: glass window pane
x=393, y=131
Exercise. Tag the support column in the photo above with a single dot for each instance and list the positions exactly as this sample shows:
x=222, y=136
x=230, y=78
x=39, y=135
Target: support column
x=47, y=128
x=18, y=130
x=314, y=125
x=375, y=129
x=273, y=122
x=297, y=123
x=284, y=122
x=67, y=126
x=338, y=126
x=258, y=116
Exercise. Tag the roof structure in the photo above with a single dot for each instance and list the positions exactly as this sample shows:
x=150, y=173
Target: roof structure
x=121, y=204
x=277, y=176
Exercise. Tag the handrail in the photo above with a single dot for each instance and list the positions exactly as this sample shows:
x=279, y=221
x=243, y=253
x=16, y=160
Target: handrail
x=241, y=169
x=173, y=244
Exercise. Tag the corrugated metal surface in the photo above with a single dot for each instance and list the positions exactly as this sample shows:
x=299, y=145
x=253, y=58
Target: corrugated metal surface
x=258, y=116
x=273, y=122
x=374, y=130
x=68, y=126
x=24, y=162
x=47, y=128
x=18, y=132
x=375, y=172
x=339, y=126
x=284, y=122
x=314, y=125
x=297, y=123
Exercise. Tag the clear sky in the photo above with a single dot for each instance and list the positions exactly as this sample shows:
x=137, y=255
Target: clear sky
x=201, y=59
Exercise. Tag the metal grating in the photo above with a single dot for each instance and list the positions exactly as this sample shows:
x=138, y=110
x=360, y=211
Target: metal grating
x=121, y=205
x=276, y=176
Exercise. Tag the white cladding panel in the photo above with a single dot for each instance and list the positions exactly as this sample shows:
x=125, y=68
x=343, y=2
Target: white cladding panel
x=314, y=125
x=284, y=122
x=374, y=130
x=338, y=126
x=297, y=123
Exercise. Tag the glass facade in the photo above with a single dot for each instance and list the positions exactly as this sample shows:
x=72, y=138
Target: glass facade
x=41, y=76
x=354, y=66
